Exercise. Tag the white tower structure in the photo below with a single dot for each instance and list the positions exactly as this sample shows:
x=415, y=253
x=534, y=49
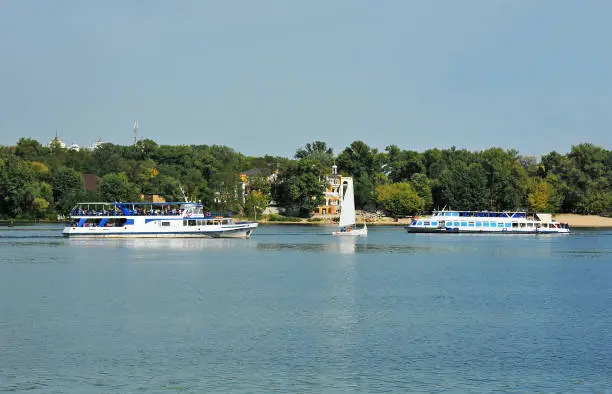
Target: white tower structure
x=135, y=131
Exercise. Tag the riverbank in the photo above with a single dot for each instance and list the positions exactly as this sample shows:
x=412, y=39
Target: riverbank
x=584, y=221
x=574, y=221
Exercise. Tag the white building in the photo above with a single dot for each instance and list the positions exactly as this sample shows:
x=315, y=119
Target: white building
x=56, y=142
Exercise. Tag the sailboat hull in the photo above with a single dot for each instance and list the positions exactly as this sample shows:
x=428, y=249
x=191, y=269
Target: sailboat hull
x=353, y=232
x=360, y=232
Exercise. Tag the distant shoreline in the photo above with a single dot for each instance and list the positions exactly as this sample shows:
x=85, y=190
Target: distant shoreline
x=574, y=221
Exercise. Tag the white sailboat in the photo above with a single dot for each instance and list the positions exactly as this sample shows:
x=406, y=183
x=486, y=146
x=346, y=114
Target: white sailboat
x=347, y=213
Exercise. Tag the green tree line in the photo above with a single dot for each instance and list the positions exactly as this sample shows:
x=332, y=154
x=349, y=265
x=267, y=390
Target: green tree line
x=37, y=181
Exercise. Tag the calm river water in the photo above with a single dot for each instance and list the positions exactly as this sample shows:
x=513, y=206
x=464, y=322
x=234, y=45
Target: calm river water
x=293, y=310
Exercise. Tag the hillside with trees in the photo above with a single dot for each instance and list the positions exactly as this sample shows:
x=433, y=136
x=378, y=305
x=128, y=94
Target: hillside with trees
x=40, y=182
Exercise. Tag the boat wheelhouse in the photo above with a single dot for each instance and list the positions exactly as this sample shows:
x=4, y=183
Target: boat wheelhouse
x=153, y=220
x=521, y=222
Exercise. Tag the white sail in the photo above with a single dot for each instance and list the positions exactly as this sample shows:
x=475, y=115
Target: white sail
x=347, y=207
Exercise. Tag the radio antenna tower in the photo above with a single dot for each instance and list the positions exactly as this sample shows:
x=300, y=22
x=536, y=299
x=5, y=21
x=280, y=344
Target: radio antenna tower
x=135, y=129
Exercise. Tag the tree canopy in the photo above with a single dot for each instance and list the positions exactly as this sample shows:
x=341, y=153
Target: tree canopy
x=42, y=181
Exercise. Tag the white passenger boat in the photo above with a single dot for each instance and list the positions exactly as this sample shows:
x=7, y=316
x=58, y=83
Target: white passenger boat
x=447, y=221
x=153, y=220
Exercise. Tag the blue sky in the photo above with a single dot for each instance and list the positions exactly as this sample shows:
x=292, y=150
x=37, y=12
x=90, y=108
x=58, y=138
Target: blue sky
x=269, y=76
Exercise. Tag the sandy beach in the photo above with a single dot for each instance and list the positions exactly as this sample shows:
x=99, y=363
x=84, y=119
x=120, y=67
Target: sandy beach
x=584, y=221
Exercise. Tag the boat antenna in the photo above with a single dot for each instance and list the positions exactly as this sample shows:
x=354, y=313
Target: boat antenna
x=183, y=192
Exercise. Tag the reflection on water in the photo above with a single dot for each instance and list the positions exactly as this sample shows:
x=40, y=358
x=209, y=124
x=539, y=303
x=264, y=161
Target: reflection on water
x=157, y=243
x=588, y=254
x=341, y=247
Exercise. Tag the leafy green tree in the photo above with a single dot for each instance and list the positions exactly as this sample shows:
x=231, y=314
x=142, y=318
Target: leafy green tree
x=40, y=206
x=107, y=158
x=301, y=190
x=317, y=151
x=117, y=187
x=542, y=196
x=421, y=185
x=165, y=186
x=143, y=149
x=365, y=165
x=465, y=187
x=399, y=199
x=30, y=149
x=67, y=188
x=256, y=202
x=41, y=170
x=402, y=165
x=259, y=183
x=15, y=178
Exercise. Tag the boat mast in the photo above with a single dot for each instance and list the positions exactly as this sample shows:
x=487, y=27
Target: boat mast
x=183, y=192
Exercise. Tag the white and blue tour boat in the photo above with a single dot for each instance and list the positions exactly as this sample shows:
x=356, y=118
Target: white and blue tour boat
x=153, y=220
x=520, y=222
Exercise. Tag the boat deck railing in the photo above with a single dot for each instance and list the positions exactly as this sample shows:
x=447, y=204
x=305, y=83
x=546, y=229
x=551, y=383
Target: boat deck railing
x=144, y=212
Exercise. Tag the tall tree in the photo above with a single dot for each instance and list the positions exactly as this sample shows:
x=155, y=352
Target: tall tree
x=301, y=190
x=117, y=187
x=399, y=199
x=67, y=188
x=317, y=151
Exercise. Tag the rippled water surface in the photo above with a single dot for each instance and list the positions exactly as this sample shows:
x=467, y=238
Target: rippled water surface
x=295, y=310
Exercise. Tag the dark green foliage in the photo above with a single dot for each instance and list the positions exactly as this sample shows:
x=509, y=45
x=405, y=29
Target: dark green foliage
x=399, y=199
x=302, y=188
x=117, y=187
x=317, y=151
x=366, y=166
x=38, y=181
x=67, y=188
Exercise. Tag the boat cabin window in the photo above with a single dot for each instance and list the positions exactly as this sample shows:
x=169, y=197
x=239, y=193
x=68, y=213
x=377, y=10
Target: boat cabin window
x=485, y=224
x=463, y=224
x=192, y=222
x=420, y=223
x=470, y=224
x=92, y=223
x=426, y=223
x=165, y=224
x=112, y=222
x=514, y=225
x=434, y=223
x=456, y=224
x=413, y=223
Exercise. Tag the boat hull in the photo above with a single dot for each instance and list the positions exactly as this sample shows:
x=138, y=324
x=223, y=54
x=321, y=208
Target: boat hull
x=244, y=231
x=478, y=231
x=358, y=232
